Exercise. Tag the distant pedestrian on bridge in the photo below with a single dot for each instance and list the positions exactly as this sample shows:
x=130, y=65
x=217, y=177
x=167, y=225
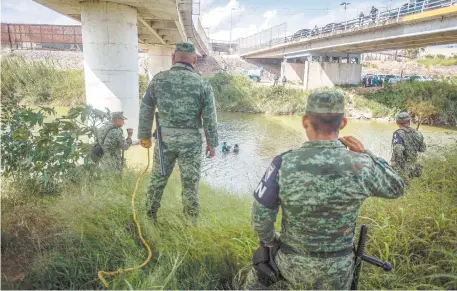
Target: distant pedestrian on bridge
x=373, y=13
x=361, y=17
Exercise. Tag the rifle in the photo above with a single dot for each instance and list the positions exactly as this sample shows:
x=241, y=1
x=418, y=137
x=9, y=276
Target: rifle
x=360, y=256
x=158, y=136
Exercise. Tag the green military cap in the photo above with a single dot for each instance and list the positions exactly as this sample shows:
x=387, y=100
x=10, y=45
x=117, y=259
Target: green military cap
x=325, y=102
x=403, y=117
x=185, y=47
x=118, y=114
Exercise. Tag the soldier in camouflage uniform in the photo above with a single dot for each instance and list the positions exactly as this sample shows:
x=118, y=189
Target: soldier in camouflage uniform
x=320, y=188
x=114, y=144
x=406, y=144
x=185, y=102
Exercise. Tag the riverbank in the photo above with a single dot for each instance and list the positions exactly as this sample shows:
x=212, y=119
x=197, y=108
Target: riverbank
x=61, y=241
x=434, y=103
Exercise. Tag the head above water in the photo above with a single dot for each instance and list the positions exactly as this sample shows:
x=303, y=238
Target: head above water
x=403, y=119
x=185, y=53
x=324, y=115
x=117, y=118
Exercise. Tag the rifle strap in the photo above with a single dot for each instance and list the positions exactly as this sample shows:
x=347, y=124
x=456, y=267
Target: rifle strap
x=106, y=134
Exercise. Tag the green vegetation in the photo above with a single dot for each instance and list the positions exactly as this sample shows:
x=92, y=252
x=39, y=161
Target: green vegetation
x=434, y=102
x=60, y=242
x=238, y=94
x=40, y=83
x=438, y=62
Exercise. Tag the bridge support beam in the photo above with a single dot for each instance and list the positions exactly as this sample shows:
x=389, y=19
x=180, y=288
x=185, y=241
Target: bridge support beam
x=110, y=39
x=159, y=59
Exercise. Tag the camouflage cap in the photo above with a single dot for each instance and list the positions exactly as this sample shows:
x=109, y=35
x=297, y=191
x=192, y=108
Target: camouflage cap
x=403, y=117
x=325, y=102
x=185, y=47
x=118, y=114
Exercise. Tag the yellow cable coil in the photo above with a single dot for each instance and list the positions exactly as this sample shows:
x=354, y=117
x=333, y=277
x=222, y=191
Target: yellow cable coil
x=120, y=271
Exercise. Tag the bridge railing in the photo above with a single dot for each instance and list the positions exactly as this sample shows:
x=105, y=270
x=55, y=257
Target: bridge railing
x=374, y=18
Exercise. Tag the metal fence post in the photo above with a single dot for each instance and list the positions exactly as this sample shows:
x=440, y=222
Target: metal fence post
x=423, y=6
x=398, y=14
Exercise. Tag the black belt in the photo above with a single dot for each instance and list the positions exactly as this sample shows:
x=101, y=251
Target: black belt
x=321, y=255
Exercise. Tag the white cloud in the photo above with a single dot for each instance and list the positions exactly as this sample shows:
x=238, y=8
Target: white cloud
x=246, y=22
x=27, y=11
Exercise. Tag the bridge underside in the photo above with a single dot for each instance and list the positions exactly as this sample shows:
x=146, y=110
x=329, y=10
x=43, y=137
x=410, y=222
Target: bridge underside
x=113, y=31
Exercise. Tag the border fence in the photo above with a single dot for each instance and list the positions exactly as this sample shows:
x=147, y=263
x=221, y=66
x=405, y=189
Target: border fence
x=265, y=38
x=277, y=35
x=41, y=37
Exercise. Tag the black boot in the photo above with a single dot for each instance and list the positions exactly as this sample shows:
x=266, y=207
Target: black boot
x=153, y=216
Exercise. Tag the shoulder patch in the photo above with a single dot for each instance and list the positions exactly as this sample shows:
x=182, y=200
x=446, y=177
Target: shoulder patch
x=267, y=192
x=397, y=139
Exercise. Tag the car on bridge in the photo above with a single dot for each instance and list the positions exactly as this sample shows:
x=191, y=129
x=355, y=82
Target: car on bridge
x=302, y=33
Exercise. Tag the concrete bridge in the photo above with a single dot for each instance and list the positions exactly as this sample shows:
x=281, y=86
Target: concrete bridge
x=113, y=31
x=331, y=55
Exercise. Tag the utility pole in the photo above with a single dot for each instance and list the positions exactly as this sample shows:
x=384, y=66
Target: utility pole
x=231, y=23
x=345, y=7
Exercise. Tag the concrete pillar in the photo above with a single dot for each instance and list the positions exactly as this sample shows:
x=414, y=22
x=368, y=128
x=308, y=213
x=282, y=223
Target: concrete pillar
x=340, y=60
x=306, y=74
x=110, y=39
x=159, y=59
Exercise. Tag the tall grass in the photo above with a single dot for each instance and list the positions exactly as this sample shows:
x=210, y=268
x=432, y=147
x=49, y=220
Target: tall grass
x=236, y=93
x=438, y=62
x=40, y=83
x=60, y=242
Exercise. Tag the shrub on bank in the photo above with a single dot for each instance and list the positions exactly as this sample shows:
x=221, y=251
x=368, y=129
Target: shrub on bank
x=439, y=97
x=237, y=93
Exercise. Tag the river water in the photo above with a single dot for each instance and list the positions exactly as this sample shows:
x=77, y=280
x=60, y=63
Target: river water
x=261, y=137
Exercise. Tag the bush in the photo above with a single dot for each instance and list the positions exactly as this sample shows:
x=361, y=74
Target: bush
x=236, y=93
x=405, y=96
x=43, y=154
x=440, y=56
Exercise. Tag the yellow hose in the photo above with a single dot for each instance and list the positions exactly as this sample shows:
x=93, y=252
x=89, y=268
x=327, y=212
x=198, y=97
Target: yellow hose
x=135, y=219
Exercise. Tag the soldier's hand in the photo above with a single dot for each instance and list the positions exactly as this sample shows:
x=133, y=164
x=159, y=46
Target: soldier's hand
x=129, y=132
x=210, y=152
x=146, y=143
x=352, y=144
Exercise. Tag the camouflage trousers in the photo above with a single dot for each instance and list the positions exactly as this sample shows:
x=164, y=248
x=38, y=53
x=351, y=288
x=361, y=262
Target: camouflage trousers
x=111, y=163
x=186, y=149
x=300, y=272
x=409, y=170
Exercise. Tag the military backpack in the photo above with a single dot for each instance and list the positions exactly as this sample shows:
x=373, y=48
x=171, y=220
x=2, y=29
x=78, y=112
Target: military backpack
x=97, y=149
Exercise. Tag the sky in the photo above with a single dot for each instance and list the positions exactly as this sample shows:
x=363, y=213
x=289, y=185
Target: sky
x=242, y=17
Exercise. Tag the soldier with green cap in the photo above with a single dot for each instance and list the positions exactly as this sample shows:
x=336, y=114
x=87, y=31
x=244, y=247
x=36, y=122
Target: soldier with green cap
x=111, y=138
x=185, y=103
x=406, y=144
x=319, y=188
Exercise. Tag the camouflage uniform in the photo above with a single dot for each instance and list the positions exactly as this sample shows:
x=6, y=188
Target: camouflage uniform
x=320, y=188
x=406, y=144
x=185, y=102
x=114, y=145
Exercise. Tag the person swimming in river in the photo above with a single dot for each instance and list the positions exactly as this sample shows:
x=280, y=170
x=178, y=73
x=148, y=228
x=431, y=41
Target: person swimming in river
x=236, y=148
x=225, y=147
